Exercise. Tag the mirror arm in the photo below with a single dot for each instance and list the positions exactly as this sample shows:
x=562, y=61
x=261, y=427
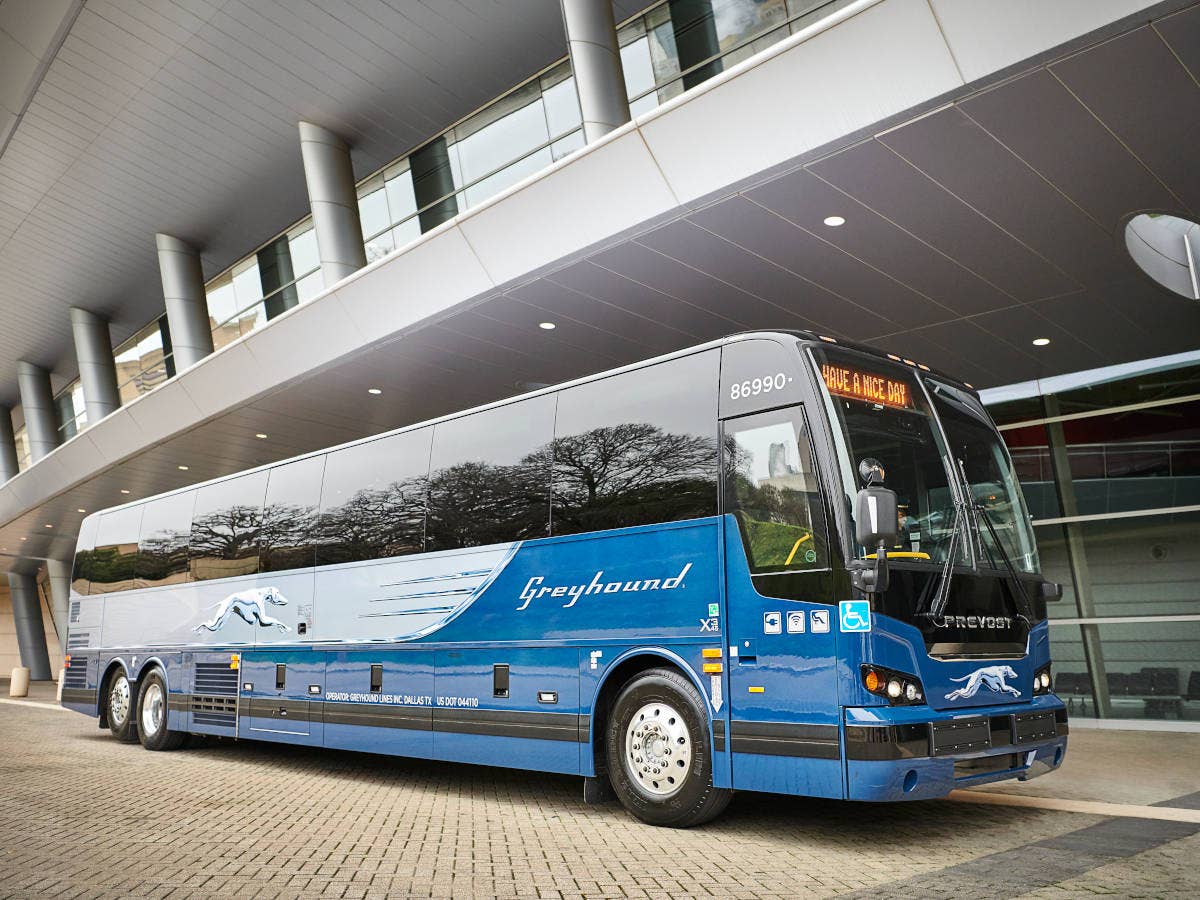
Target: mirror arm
x=882, y=575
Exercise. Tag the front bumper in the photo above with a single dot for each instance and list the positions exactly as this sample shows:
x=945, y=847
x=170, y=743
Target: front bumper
x=915, y=753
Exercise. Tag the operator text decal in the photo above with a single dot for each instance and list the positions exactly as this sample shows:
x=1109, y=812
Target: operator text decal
x=536, y=588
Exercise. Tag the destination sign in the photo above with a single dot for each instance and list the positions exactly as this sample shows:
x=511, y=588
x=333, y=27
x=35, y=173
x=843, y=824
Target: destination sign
x=857, y=384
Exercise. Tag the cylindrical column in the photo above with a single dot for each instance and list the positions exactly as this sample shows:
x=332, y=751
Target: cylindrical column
x=37, y=404
x=596, y=62
x=31, y=633
x=183, y=295
x=60, y=599
x=334, y=200
x=8, y=447
x=97, y=369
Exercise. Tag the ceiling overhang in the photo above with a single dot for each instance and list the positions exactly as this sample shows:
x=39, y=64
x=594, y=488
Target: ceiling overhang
x=977, y=218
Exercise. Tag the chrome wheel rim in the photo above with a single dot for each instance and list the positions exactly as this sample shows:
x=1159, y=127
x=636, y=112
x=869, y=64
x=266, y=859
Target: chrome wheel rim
x=658, y=750
x=118, y=701
x=152, y=709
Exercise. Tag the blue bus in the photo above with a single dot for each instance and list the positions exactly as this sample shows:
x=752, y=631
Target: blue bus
x=775, y=562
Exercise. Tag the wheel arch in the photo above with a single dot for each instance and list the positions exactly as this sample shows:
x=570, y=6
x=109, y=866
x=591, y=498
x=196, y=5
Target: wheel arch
x=618, y=673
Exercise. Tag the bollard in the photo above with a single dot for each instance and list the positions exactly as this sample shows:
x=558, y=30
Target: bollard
x=62, y=674
x=19, y=686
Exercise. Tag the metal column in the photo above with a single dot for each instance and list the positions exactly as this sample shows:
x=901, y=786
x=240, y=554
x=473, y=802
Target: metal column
x=596, y=62
x=1093, y=650
x=183, y=295
x=60, y=599
x=333, y=197
x=97, y=368
x=37, y=404
x=31, y=633
x=8, y=446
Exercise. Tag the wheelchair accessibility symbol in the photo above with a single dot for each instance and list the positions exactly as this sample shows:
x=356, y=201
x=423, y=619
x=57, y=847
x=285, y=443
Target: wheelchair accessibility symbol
x=855, y=615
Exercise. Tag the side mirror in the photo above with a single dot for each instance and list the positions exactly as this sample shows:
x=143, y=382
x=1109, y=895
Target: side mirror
x=876, y=522
x=1052, y=591
x=876, y=526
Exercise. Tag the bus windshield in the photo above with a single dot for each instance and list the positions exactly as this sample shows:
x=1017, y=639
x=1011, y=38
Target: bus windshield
x=882, y=413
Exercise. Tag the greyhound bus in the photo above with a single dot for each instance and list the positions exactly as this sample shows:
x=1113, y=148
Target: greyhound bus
x=775, y=562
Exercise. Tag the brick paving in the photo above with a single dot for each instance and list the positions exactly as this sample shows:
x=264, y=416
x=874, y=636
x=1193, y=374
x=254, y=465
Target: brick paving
x=83, y=816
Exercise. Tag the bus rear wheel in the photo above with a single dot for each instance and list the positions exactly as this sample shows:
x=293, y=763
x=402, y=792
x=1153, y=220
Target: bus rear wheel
x=153, y=705
x=121, y=702
x=659, y=756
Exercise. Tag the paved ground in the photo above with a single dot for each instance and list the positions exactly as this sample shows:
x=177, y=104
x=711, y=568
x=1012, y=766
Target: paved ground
x=83, y=816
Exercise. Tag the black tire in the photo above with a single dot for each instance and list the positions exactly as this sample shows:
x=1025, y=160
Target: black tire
x=153, y=705
x=651, y=791
x=121, y=709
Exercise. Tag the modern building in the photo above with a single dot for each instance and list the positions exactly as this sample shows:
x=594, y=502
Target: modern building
x=233, y=232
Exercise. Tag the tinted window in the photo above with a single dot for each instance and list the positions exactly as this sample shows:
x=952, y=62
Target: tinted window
x=637, y=448
x=373, y=499
x=163, y=550
x=85, y=549
x=773, y=492
x=490, y=476
x=115, y=558
x=290, y=515
x=226, y=527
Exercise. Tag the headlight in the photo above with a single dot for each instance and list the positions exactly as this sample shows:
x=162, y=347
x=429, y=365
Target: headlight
x=899, y=688
x=1042, y=680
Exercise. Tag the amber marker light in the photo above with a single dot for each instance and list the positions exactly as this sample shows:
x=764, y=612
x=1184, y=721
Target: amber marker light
x=873, y=681
x=711, y=652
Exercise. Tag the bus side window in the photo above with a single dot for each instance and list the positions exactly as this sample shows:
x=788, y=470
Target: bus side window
x=489, y=478
x=290, y=515
x=163, y=546
x=771, y=488
x=115, y=557
x=373, y=499
x=81, y=573
x=638, y=448
x=225, y=528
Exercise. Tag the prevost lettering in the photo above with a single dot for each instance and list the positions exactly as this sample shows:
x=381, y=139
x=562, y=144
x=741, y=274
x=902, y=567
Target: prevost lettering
x=849, y=382
x=972, y=622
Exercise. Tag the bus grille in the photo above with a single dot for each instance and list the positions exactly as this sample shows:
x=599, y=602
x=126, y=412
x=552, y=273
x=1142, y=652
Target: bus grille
x=214, y=700
x=76, y=674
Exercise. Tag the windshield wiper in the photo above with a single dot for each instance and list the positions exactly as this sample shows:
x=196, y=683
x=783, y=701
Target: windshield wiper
x=942, y=594
x=1017, y=587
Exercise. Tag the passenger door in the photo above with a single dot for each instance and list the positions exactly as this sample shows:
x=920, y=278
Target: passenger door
x=782, y=655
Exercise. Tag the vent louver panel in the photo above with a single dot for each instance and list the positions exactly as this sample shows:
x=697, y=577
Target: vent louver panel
x=76, y=674
x=214, y=700
x=78, y=639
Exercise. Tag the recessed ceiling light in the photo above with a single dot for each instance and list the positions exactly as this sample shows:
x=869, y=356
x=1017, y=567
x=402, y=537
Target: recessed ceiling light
x=24, y=539
x=1041, y=342
x=835, y=221
x=261, y=436
x=123, y=491
x=547, y=326
x=49, y=526
x=375, y=391
x=81, y=509
x=183, y=468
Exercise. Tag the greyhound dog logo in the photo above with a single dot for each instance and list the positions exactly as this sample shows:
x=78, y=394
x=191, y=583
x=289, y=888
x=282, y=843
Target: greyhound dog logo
x=249, y=606
x=993, y=677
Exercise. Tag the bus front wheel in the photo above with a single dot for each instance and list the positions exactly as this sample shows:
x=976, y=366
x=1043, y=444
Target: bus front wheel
x=121, y=702
x=659, y=755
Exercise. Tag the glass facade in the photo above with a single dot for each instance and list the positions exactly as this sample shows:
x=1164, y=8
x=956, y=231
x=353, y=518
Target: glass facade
x=71, y=411
x=144, y=361
x=278, y=276
x=1111, y=470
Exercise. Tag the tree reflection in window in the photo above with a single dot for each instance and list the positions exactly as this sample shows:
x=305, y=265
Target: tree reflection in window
x=631, y=474
x=286, y=536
